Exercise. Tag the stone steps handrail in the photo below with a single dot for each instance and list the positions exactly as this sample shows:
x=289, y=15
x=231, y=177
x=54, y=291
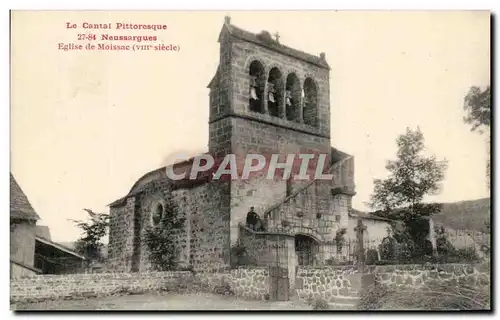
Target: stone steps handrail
x=263, y=233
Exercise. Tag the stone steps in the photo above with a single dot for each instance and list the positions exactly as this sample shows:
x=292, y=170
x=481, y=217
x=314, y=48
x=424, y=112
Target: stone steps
x=345, y=300
x=342, y=306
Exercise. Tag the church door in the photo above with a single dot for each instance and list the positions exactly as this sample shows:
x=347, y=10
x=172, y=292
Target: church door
x=306, y=250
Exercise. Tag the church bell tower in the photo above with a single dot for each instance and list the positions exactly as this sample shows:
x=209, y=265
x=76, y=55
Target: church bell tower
x=267, y=97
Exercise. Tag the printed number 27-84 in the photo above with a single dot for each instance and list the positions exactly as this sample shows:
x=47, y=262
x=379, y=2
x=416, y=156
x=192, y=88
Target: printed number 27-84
x=86, y=37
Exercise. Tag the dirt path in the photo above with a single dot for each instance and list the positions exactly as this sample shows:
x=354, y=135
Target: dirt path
x=172, y=302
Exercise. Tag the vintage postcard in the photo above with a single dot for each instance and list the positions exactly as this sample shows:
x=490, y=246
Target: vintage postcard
x=250, y=160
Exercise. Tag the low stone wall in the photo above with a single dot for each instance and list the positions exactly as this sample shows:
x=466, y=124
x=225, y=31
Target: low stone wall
x=250, y=283
x=343, y=286
x=244, y=282
x=416, y=276
x=44, y=287
x=331, y=283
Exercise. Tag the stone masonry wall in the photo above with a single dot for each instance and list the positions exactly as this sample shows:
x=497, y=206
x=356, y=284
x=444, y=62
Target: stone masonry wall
x=250, y=137
x=259, y=193
x=250, y=283
x=342, y=286
x=245, y=282
x=209, y=220
x=265, y=249
x=417, y=276
x=121, y=236
x=43, y=287
x=334, y=284
x=204, y=243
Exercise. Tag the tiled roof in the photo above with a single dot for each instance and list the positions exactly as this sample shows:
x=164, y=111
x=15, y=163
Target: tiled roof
x=264, y=39
x=20, y=207
x=159, y=175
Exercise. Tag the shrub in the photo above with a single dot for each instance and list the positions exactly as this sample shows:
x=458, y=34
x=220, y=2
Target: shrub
x=467, y=254
x=160, y=237
x=239, y=257
x=186, y=268
x=371, y=256
x=332, y=262
x=320, y=304
x=223, y=288
x=437, y=297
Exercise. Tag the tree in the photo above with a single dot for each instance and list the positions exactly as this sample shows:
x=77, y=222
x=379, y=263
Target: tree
x=477, y=105
x=160, y=237
x=90, y=243
x=411, y=177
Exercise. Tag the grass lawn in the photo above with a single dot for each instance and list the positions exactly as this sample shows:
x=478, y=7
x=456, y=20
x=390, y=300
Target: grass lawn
x=192, y=302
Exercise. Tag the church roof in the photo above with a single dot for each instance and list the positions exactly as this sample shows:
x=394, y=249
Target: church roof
x=264, y=39
x=161, y=175
x=20, y=207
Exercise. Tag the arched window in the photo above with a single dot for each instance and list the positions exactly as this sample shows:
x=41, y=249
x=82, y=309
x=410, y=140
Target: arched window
x=310, y=102
x=256, y=90
x=274, y=92
x=157, y=214
x=292, y=97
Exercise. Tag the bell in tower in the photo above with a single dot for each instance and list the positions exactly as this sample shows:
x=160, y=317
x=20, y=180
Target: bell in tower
x=253, y=88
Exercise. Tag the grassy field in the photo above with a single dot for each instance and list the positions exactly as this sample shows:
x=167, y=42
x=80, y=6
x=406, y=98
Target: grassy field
x=187, y=302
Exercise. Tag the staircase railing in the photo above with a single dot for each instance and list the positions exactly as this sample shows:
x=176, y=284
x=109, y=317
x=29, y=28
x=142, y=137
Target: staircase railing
x=276, y=217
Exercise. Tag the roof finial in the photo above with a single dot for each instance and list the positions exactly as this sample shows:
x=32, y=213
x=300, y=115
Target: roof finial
x=227, y=20
x=322, y=56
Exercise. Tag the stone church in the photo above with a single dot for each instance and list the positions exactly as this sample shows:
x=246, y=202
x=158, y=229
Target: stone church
x=265, y=98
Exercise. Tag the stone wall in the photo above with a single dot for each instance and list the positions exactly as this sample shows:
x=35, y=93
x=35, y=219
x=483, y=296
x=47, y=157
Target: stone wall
x=93, y=285
x=418, y=276
x=203, y=244
x=336, y=285
x=315, y=210
x=265, y=249
x=342, y=286
x=250, y=283
x=244, y=282
x=121, y=236
x=259, y=193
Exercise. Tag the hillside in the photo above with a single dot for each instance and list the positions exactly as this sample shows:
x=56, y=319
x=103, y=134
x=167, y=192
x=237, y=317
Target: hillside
x=470, y=215
x=463, y=215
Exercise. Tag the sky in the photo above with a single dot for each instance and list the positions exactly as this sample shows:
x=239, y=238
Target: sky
x=86, y=125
